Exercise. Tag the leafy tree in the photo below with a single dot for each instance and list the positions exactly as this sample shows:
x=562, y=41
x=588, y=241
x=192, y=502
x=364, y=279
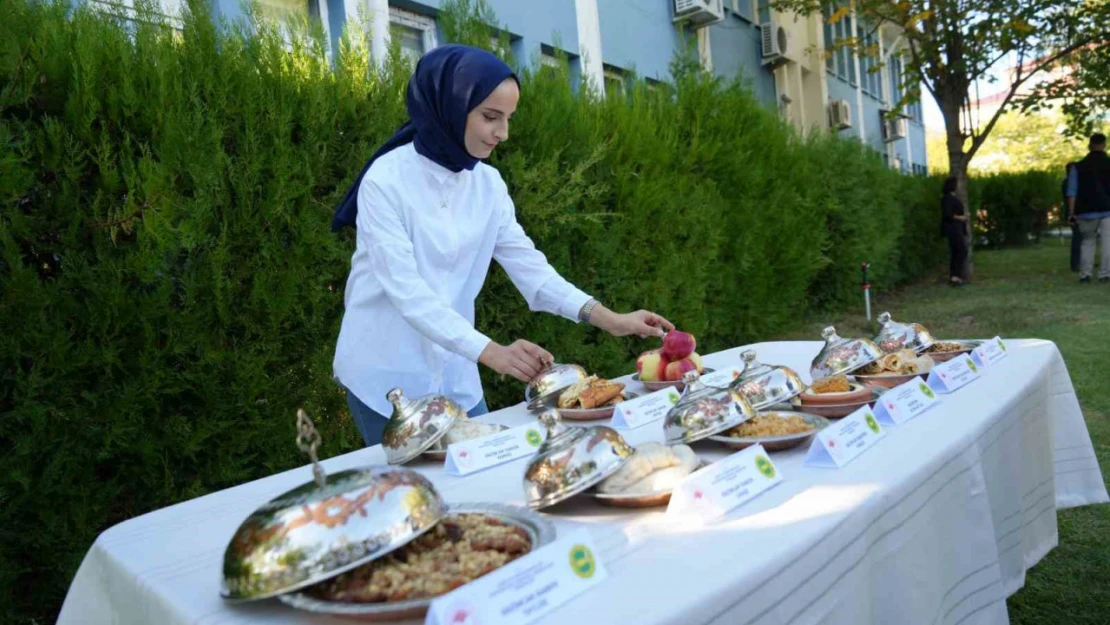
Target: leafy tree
x=1019, y=142
x=951, y=47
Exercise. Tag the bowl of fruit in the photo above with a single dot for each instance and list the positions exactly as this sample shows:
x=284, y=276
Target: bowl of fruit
x=661, y=368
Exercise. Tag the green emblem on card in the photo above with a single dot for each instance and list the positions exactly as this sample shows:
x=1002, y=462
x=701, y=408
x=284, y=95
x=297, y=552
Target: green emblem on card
x=872, y=424
x=971, y=365
x=928, y=392
x=582, y=561
x=765, y=467
x=533, y=437
x=1001, y=344
x=674, y=397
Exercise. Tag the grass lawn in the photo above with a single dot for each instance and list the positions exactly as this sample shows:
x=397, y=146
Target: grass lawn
x=1030, y=293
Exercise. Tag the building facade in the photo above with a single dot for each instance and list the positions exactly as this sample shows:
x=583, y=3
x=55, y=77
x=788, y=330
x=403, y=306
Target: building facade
x=790, y=62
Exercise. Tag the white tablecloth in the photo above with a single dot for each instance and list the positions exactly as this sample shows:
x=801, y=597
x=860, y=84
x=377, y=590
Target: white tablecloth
x=936, y=524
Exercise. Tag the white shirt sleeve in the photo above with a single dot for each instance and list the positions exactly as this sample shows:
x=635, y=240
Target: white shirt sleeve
x=542, y=287
x=382, y=231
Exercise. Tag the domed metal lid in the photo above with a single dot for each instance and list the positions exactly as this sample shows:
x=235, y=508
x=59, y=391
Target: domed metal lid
x=543, y=391
x=570, y=460
x=894, y=336
x=842, y=355
x=327, y=526
x=417, y=424
x=704, y=411
x=765, y=385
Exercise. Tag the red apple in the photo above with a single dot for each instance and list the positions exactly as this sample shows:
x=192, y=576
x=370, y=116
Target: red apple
x=652, y=365
x=678, y=368
x=697, y=361
x=678, y=345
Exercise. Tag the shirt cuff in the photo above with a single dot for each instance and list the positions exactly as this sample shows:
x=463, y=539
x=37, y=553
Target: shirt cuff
x=573, y=303
x=473, y=345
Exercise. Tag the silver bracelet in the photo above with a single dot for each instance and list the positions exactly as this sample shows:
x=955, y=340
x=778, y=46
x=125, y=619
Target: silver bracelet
x=587, y=310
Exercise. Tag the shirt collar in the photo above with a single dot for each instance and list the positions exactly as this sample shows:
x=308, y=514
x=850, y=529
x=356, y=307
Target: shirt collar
x=439, y=172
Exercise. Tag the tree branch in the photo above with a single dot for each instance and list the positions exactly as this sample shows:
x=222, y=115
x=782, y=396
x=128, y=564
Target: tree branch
x=977, y=141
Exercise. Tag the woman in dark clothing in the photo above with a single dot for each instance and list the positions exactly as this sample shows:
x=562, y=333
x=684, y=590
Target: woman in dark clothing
x=954, y=226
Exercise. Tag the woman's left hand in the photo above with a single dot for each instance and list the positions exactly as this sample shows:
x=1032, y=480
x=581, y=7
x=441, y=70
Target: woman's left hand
x=642, y=323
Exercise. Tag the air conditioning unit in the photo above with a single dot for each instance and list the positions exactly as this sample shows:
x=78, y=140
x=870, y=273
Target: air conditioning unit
x=840, y=115
x=893, y=128
x=699, y=12
x=774, y=42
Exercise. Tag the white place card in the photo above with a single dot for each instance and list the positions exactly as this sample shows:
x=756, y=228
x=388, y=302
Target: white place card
x=711, y=492
x=645, y=409
x=956, y=373
x=524, y=590
x=477, y=454
x=904, y=402
x=989, y=352
x=721, y=377
x=843, y=441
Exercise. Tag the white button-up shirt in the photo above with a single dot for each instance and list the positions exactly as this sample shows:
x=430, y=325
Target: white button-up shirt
x=426, y=236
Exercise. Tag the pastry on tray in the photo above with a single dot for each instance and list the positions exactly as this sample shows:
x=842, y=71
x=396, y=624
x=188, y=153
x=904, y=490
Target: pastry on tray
x=466, y=429
x=654, y=468
x=590, y=393
x=770, y=425
x=904, y=362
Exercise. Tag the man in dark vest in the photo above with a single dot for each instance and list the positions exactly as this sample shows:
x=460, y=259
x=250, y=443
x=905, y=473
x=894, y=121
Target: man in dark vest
x=1089, y=203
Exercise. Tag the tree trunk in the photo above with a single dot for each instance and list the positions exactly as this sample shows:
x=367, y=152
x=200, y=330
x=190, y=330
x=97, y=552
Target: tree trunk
x=957, y=166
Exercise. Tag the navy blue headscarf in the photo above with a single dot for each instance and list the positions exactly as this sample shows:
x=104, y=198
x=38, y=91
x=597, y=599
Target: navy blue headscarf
x=448, y=83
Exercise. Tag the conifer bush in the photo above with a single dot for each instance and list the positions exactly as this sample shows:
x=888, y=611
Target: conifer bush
x=171, y=291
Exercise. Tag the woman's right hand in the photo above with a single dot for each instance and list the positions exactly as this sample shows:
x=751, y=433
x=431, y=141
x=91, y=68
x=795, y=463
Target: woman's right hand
x=522, y=360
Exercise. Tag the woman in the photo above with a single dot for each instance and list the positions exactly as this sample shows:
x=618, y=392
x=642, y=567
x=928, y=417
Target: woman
x=954, y=226
x=430, y=217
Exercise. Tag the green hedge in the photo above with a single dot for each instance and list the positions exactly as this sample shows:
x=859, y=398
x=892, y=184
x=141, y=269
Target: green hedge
x=1015, y=208
x=171, y=291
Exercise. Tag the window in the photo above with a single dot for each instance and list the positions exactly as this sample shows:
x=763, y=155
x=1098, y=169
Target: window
x=416, y=34
x=614, y=80
x=743, y=10
x=556, y=59
x=870, y=76
x=286, y=10
x=840, y=60
x=125, y=9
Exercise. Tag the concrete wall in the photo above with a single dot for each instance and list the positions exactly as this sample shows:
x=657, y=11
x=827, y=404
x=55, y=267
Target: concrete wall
x=639, y=35
x=736, y=54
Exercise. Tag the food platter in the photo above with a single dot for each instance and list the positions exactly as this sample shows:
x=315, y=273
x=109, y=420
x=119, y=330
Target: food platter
x=658, y=386
x=592, y=414
x=539, y=530
x=966, y=347
x=777, y=443
x=887, y=381
x=639, y=499
x=837, y=411
x=857, y=393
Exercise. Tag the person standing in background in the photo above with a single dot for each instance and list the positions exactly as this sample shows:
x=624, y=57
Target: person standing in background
x=1076, y=237
x=953, y=225
x=1088, y=192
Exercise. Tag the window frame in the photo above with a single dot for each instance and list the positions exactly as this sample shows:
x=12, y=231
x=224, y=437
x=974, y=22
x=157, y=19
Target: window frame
x=125, y=9
x=416, y=21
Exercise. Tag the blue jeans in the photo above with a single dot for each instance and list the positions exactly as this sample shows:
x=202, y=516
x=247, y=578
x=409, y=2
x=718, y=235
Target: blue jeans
x=371, y=424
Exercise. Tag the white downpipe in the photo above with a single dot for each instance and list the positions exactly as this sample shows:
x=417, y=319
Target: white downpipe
x=589, y=44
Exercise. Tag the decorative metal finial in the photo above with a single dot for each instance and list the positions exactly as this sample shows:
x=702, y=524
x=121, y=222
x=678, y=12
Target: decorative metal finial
x=308, y=439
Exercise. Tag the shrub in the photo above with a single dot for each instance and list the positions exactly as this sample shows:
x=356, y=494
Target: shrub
x=1015, y=208
x=172, y=292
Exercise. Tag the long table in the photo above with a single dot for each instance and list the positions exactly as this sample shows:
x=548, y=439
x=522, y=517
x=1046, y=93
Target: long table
x=936, y=524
